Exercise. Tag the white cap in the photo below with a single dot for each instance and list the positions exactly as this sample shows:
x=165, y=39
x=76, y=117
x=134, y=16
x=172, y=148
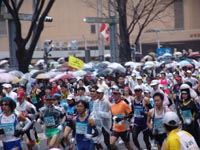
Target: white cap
x=70, y=97
x=115, y=87
x=101, y=78
x=100, y=90
x=133, y=74
x=138, y=87
x=171, y=119
x=7, y=85
x=154, y=82
x=189, y=71
x=139, y=78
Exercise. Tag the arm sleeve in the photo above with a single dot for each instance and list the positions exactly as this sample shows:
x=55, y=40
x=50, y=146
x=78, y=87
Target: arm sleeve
x=27, y=124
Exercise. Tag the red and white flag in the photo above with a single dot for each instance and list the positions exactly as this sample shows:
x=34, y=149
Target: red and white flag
x=105, y=31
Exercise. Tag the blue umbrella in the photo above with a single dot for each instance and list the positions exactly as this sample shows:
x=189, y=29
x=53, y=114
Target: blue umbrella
x=184, y=63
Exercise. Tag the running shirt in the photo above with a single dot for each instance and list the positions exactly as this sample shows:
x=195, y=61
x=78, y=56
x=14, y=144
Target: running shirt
x=180, y=140
x=120, y=110
x=82, y=128
x=27, y=109
x=51, y=117
x=70, y=111
x=8, y=124
x=188, y=111
x=140, y=118
x=158, y=122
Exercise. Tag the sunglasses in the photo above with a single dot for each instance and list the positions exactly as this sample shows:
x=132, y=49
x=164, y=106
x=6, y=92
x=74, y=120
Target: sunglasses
x=137, y=90
x=4, y=104
x=92, y=91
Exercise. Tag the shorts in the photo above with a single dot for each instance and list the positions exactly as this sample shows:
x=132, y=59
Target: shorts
x=159, y=138
x=12, y=144
x=124, y=135
x=50, y=132
x=84, y=145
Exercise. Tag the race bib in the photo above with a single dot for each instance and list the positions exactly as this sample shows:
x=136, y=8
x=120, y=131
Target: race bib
x=186, y=114
x=81, y=128
x=34, y=100
x=49, y=121
x=138, y=112
x=158, y=126
x=8, y=128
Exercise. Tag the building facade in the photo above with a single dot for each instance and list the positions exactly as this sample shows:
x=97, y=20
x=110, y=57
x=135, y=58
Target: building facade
x=181, y=29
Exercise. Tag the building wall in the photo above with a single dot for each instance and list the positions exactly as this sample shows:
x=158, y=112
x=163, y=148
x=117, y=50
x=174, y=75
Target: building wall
x=68, y=24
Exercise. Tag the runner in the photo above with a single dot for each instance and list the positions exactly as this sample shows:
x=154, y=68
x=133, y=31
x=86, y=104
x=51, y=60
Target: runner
x=28, y=110
x=70, y=109
x=154, y=119
x=140, y=110
x=83, y=127
x=189, y=113
x=9, y=125
x=53, y=120
x=120, y=111
x=102, y=116
x=177, y=139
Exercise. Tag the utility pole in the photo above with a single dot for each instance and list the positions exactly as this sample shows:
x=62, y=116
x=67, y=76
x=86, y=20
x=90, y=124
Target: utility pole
x=12, y=45
x=114, y=50
x=100, y=39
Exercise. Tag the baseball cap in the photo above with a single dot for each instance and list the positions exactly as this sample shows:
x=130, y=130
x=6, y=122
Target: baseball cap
x=139, y=78
x=70, y=97
x=171, y=119
x=133, y=74
x=21, y=94
x=137, y=87
x=7, y=85
x=100, y=90
x=154, y=82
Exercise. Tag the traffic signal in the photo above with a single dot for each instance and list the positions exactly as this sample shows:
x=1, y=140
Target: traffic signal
x=48, y=19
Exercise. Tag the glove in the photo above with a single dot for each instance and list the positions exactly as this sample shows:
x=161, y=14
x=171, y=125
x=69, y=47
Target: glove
x=1, y=131
x=18, y=133
x=60, y=127
x=118, y=119
x=88, y=136
x=39, y=121
x=72, y=140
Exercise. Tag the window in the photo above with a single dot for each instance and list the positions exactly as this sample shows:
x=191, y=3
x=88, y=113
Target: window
x=178, y=13
x=93, y=28
x=3, y=29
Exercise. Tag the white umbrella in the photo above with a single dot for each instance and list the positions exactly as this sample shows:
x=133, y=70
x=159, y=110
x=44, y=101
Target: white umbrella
x=117, y=66
x=6, y=77
x=178, y=54
x=16, y=73
x=167, y=54
x=150, y=63
x=78, y=73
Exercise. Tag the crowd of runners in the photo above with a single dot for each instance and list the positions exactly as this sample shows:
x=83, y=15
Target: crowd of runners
x=158, y=104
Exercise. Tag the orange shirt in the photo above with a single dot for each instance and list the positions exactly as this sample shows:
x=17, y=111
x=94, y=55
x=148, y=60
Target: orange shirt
x=120, y=109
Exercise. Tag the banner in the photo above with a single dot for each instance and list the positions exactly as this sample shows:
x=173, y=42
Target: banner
x=75, y=63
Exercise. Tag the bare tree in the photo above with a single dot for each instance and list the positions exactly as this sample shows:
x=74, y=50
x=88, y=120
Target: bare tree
x=141, y=13
x=41, y=10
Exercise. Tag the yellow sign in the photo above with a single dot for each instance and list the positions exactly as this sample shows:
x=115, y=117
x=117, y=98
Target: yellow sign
x=75, y=62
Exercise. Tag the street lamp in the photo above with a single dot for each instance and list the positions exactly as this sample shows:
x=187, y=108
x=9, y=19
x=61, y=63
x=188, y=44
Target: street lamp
x=157, y=35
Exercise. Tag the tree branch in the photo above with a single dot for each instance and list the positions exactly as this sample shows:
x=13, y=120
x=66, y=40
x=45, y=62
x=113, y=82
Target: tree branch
x=39, y=28
x=19, y=5
x=38, y=8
